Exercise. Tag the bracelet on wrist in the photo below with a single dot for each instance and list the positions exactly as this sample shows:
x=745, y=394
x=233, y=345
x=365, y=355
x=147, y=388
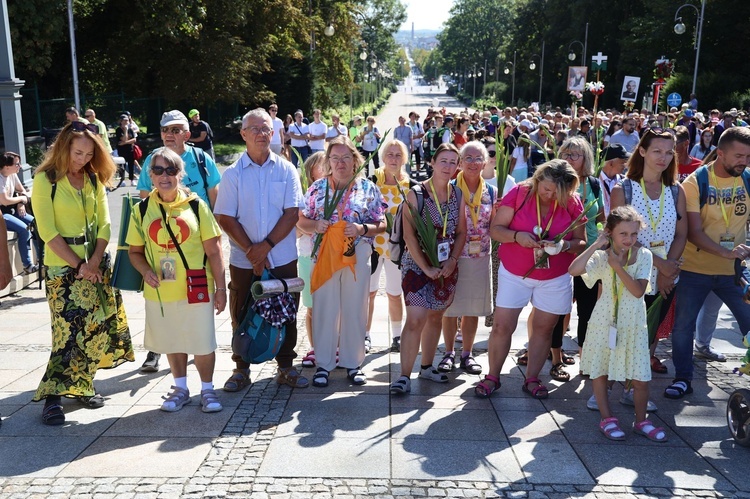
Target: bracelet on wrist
x=270, y=243
x=515, y=236
x=454, y=258
x=78, y=267
x=365, y=229
x=221, y=289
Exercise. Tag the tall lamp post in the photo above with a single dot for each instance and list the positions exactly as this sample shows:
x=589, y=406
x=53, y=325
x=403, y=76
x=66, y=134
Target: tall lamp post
x=363, y=57
x=679, y=28
x=572, y=55
x=532, y=66
x=507, y=70
x=474, y=76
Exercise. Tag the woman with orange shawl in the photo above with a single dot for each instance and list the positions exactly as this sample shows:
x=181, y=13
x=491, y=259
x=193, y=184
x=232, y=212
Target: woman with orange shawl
x=341, y=273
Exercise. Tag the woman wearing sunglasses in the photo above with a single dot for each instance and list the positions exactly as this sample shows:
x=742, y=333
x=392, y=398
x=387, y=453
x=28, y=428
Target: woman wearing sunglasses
x=533, y=267
x=177, y=232
x=89, y=328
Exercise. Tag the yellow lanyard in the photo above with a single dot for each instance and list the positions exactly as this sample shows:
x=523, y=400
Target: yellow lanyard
x=437, y=203
x=647, y=198
x=617, y=292
x=724, y=213
x=539, y=218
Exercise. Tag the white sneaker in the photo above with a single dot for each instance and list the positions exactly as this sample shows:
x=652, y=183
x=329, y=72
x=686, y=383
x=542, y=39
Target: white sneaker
x=433, y=375
x=591, y=403
x=627, y=399
x=133, y=183
x=709, y=353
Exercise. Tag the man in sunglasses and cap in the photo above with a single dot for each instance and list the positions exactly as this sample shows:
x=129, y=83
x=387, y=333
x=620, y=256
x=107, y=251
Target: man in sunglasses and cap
x=201, y=177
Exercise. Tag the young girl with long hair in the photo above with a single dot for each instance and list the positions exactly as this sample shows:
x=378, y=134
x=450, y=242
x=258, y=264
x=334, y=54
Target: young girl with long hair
x=617, y=337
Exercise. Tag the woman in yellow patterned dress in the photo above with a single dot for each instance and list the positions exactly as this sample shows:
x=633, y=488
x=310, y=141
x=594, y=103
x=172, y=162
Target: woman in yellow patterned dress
x=389, y=178
x=89, y=327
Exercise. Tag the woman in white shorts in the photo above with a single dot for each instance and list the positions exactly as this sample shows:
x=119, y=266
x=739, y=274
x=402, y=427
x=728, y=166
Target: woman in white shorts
x=533, y=267
x=392, y=179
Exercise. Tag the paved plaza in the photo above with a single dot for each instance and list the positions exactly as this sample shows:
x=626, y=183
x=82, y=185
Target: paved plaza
x=355, y=441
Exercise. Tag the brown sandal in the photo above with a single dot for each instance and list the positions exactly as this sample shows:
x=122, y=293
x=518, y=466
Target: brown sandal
x=237, y=381
x=559, y=373
x=657, y=366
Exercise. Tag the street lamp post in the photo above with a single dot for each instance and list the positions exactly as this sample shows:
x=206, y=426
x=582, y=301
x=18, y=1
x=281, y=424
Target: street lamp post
x=363, y=57
x=572, y=55
x=532, y=66
x=507, y=70
x=679, y=28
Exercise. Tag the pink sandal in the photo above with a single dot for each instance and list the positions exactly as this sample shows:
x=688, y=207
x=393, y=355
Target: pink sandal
x=652, y=434
x=483, y=390
x=534, y=392
x=309, y=359
x=611, y=429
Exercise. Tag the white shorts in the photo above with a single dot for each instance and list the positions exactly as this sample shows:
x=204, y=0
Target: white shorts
x=392, y=277
x=554, y=296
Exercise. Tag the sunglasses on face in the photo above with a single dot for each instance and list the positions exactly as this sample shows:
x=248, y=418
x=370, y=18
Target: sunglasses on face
x=80, y=126
x=174, y=130
x=171, y=171
x=492, y=153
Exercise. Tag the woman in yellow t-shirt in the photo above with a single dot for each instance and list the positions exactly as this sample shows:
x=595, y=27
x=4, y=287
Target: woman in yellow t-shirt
x=89, y=327
x=392, y=180
x=179, y=233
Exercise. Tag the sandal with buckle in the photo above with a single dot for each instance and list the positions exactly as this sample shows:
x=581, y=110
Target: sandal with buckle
x=93, y=402
x=470, y=365
x=648, y=430
x=523, y=357
x=483, y=390
x=291, y=377
x=610, y=427
x=657, y=366
x=309, y=359
x=356, y=376
x=320, y=379
x=175, y=400
x=401, y=386
x=568, y=360
x=237, y=381
x=209, y=401
x=448, y=363
x=678, y=389
x=539, y=392
x=53, y=415
x=559, y=373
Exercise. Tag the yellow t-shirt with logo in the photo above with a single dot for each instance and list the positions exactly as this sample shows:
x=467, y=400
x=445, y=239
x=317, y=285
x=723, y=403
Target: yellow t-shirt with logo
x=736, y=206
x=189, y=233
x=392, y=198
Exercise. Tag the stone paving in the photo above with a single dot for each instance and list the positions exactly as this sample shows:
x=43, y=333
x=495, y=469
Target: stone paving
x=348, y=441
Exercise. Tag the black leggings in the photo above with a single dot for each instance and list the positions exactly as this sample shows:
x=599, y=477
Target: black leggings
x=585, y=298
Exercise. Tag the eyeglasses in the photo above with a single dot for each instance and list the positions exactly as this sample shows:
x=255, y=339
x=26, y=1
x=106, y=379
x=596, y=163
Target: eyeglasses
x=256, y=130
x=338, y=159
x=174, y=130
x=471, y=160
x=573, y=156
x=80, y=126
x=172, y=171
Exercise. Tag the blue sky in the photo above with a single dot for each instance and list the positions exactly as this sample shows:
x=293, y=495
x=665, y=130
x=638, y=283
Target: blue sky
x=426, y=14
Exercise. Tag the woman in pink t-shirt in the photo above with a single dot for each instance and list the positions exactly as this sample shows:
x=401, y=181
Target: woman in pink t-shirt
x=529, y=218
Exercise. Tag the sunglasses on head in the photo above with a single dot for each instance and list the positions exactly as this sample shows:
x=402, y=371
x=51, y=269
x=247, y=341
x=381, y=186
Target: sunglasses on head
x=657, y=130
x=80, y=126
x=171, y=171
x=557, y=173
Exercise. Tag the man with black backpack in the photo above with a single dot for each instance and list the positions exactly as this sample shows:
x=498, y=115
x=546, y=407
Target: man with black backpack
x=201, y=177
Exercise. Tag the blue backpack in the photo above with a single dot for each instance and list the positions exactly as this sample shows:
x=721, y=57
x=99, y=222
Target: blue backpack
x=255, y=339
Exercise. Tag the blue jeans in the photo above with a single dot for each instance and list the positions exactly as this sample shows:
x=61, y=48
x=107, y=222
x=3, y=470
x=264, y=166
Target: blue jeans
x=304, y=152
x=20, y=225
x=706, y=323
x=692, y=291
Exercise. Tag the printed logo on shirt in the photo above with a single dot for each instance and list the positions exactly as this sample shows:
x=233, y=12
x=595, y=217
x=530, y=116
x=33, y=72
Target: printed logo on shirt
x=740, y=197
x=159, y=235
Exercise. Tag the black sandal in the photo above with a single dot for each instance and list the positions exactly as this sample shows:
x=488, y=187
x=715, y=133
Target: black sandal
x=559, y=373
x=53, y=415
x=320, y=379
x=94, y=402
x=356, y=376
x=566, y=359
x=448, y=363
x=678, y=389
